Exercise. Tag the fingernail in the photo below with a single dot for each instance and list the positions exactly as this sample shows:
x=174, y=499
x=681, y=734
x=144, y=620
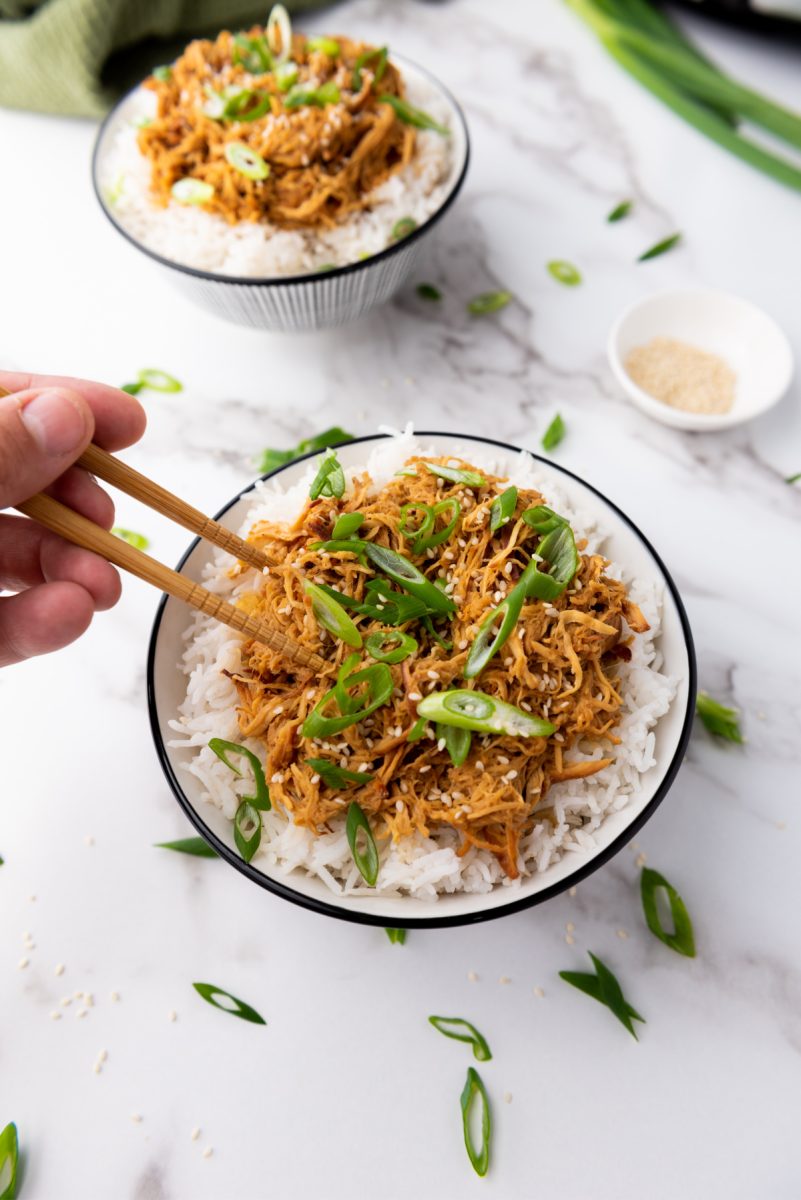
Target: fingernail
x=55, y=421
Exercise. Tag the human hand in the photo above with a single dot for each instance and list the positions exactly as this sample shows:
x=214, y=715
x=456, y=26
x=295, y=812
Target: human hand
x=45, y=425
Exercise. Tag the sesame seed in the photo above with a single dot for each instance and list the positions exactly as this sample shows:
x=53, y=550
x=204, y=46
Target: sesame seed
x=207, y=1153
x=60, y=969
x=538, y=992
x=432, y=675
x=89, y=840
x=569, y=939
x=479, y=765
x=507, y=1097
x=195, y=1134
x=622, y=934
x=315, y=778
x=398, y=806
x=570, y=927
x=115, y=996
x=22, y=964
x=136, y=1118
x=55, y=1016
x=572, y=892
x=504, y=979
x=277, y=711
x=97, y=1068
x=65, y=1001
x=503, y=760
x=415, y=696
x=82, y=1012
x=640, y=860
x=102, y=1056
x=463, y=644
x=425, y=768
x=441, y=744
x=472, y=977
x=172, y=1015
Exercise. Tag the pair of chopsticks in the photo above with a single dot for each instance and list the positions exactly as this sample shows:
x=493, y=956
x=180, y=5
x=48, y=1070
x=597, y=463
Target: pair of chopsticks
x=82, y=532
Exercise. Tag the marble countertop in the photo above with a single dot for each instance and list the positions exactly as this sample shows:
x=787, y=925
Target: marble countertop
x=347, y=1091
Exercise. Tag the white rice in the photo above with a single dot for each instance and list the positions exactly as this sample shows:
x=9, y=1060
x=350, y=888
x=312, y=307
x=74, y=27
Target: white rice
x=186, y=234
x=422, y=867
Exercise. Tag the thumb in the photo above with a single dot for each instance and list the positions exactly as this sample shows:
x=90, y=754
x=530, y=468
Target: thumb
x=42, y=431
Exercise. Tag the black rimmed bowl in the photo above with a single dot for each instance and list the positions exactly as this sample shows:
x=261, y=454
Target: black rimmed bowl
x=296, y=303
x=624, y=544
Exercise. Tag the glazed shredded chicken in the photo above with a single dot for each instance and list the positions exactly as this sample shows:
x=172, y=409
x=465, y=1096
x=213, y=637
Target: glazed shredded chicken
x=560, y=664
x=323, y=159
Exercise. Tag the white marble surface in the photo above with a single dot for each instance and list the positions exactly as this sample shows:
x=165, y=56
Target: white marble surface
x=347, y=1091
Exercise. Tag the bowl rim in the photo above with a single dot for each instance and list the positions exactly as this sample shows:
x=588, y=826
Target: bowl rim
x=515, y=905
x=312, y=276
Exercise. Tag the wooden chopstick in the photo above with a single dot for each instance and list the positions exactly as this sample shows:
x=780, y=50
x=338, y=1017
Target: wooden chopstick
x=82, y=532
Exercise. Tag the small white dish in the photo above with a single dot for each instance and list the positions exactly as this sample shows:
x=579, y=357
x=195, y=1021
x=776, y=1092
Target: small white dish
x=737, y=331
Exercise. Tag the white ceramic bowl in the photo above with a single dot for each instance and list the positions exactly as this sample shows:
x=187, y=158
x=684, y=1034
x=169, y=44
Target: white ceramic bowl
x=167, y=688
x=746, y=337
x=292, y=303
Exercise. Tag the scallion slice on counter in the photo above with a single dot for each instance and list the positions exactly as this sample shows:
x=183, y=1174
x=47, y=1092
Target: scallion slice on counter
x=252, y=53
x=137, y=540
x=660, y=248
x=793, y=478
x=378, y=55
x=457, y=742
x=377, y=691
x=456, y=475
x=326, y=45
x=554, y=433
x=362, y=843
x=402, y=228
x=272, y=459
x=502, y=508
x=405, y=573
x=620, y=211
x=222, y=749
x=681, y=939
x=191, y=191
x=482, y=713
x=247, y=829
x=564, y=272
x=299, y=95
x=604, y=987
x=332, y=616
x=346, y=525
x=195, y=846
x=488, y=302
x=474, y=1090
x=329, y=480
x=463, y=1031
x=337, y=777
x=9, y=1156
x=237, y=1008
x=278, y=23
x=427, y=291
x=162, y=74
x=390, y=645
x=412, y=116
x=396, y=936
x=246, y=161
x=718, y=719
x=286, y=74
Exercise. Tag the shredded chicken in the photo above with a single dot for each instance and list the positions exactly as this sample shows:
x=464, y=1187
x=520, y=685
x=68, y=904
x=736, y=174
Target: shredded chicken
x=560, y=664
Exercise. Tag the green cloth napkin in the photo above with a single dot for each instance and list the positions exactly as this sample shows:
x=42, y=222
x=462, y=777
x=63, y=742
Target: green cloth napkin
x=74, y=57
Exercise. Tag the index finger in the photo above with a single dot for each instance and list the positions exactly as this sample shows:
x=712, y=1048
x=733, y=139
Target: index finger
x=119, y=418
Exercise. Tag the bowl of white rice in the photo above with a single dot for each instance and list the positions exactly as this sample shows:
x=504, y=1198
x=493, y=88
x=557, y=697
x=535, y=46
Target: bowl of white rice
x=423, y=881
x=266, y=277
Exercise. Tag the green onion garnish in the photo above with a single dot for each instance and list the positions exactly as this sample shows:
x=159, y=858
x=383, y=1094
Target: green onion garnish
x=381, y=602
x=279, y=22
x=456, y=475
x=366, y=57
x=793, y=478
x=378, y=689
x=163, y=74
x=9, y=1156
x=246, y=161
x=485, y=714
x=412, y=116
x=488, y=302
x=558, y=549
x=196, y=846
x=332, y=616
x=286, y=75
x=337, y=777
x=417, y=730
x=236, y=1007
x=502, y=508
x=719, y=719
x=681, y=939
x=402, y=228
x=457, y=742
x=247, y=829
x=191, y=191
x=390, y=645
x=133, y=389
x=408, y=472
x=543, y=519
x=137, y=540
x=474, y=1087
x=405, y=573
x=326, y=45
x=396, y=936
x=297, y=96
x=115, y=192
x=554, y=433
x=492, y=636
x=604, y=987
x=272, y=459
x=420, y=534
x=620, y=211
x=660, y=248
x=222, y=749
x=427, y=291
x=159, y=381
x=246, y=105
x=252, y=53
x=564, y=272
x=346, y=525
x=329, y=480
x=463, y=1031
x=366, y=858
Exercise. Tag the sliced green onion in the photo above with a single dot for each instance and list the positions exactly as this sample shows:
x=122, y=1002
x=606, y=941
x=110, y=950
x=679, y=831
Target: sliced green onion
x=681, y=939
x=718, y=719
x=554, y=433
x=405, y=573
x=236, y=1007
x=252, y=53
x=564, y=272
x=451, y=506
x=488, y=302
x=366, y=859
x=412, y=116
x=482, y=713
x=428, y=624
x=420, y=535
x=9, y=1156
x=381, y=602
x=620, y=211
x=133, y=389
x=329, y=480
x=456, y=475
x=246, y=105
x=196, y=846
x=286, y=74
x=377, y=691
x=116, y=191
x=163, y=74
x=604, y=987
x=660, y=248
x=247, y=829
x=366, y=57
x=408, y=514
x=325, y=45
x=474, y=1087
x=396, y=936
x=407, y=472
x=246, y=161
x=491, y=636
x=558, y=549
x=297, y=96
x=137, y=540
x=159, y=381
x=390, y=645
x=272, y=459
x=279, y=22
x=793, y=478
x=462, y=1031
x=332, y=616
x=222, y=749
x=402, y=228
x=543, y=519
x=427, y=291
x=457, y=742
x=191, y=191
x=337, y=777
x=502, y=509
x=417, y=730
x=347, y=524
